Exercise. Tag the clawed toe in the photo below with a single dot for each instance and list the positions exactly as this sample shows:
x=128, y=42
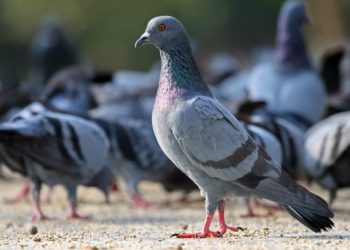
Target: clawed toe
x=235, y=228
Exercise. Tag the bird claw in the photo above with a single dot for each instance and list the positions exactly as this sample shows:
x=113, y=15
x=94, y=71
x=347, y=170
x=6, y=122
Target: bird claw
x=222, y=229
x=139, y=202
x=199, y=235
x=23, y=194
x=39, y=216
x=76, y=216
x=235, y=228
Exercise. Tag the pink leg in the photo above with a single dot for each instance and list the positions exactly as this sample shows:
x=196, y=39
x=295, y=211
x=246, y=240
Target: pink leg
x=221, y=221
x=22, y=193
x=74, y=215
x=114, y=188
x=48, y=196
x=250, y=213
x=38, y=214
x=205, y=233
x=73, y=209
x=140, y=202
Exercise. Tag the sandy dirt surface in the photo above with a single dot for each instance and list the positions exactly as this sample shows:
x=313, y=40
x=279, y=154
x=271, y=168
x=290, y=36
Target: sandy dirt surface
x=119, y=226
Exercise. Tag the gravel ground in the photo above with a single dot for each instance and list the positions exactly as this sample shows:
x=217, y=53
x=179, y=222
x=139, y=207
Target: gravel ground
x=119, y=226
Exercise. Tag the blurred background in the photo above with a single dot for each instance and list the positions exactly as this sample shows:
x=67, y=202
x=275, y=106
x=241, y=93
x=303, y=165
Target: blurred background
x=105, y=31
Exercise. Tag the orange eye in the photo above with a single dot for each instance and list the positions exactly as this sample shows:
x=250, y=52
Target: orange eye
x=161, y=27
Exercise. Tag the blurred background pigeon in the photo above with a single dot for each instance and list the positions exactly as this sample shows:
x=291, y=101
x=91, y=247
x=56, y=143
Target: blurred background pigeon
x=52, y=148
x=136, y=156
x=327, y=157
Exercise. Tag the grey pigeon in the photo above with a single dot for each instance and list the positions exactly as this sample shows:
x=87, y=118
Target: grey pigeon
x=136, y=157
x=291, y=88
x=130, y=107
x=220, y=66
x=205, y=141
x=69, y=90
x=52, y=148
x=327, y=158
x=126, y=84
x=288, y=136
x=289, y=84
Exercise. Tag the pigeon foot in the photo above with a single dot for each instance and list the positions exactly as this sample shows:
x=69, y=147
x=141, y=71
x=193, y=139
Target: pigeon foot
x=139, y=202
x=22, y=194
x=75, y=216
x=38, y=215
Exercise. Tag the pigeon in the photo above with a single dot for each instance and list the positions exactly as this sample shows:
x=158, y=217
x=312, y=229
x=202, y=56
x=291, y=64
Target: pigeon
x=50, y=51
x=127, y=84
x=205, y=141
x=289, y=84
x=54, y=148
x=128, y=107
x=327, y=155
x=68, y=90
x=294, y=94
x=336, y=73
x=136, y=156
x=289, y=137
x=286, y=141
x=272, y=146
x=220, y=66
x=330, y=69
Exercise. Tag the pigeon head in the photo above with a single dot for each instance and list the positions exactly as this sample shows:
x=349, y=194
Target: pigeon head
x=293, y=16
x=162, y=32
x=179, y=73
x=290, y=45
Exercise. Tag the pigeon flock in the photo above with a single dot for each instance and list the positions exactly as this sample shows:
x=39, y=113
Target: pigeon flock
x=226, y=132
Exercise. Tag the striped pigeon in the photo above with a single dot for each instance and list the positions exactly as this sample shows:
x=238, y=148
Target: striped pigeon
x=53, y=148
x=327, y=158
x=136, y=157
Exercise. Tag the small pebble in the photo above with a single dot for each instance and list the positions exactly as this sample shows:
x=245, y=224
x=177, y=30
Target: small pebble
x=33, y=230
x=179, y=247
x=37, y=239
x=91, y=248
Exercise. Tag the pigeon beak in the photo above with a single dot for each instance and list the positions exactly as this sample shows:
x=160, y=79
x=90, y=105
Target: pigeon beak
x=144, y=39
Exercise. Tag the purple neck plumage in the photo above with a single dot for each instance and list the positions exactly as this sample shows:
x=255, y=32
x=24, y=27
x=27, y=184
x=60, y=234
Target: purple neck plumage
x=290, y=47
x=179, y=75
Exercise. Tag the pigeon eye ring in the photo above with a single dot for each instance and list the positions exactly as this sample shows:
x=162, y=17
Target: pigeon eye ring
x=161, y=27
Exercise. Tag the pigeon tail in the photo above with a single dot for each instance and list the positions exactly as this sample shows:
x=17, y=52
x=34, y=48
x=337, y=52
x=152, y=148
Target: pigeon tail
x=314, y=222
x=300, y=202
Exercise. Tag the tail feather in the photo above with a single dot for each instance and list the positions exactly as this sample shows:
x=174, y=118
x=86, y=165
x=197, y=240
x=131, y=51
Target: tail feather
x=286, y=191
x=314, y=222
x=308, y=208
